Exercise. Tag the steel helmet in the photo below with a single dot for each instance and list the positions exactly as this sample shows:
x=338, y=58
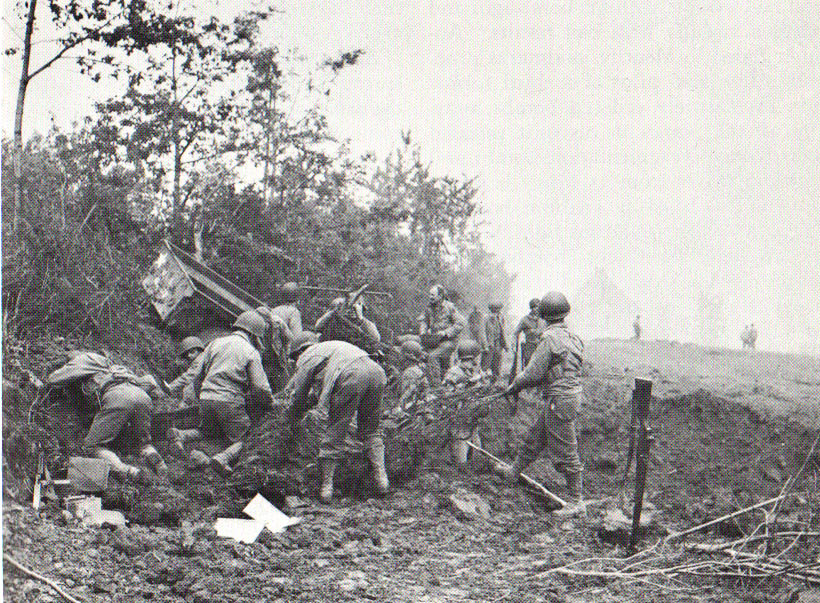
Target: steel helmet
x=290, y=292
x=495, y=306
x=412, y=349
x=302, y=342
x=251, y=322
x=468, y=348
x=535, y=303
x=554, y=306
x=190, y=343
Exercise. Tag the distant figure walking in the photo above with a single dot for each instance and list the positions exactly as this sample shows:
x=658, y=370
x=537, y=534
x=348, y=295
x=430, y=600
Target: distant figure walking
x=749, y=337
x=636, y=327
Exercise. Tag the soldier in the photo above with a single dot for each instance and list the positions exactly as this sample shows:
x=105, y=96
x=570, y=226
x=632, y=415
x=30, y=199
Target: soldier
x=343, y=323
x=122, y=398
x=231, y=370
x=475, y=321
x=190, y=350
x=532, y=326
x=347, y=382
x=414, y=377
x=467, y=371
x=440, y=325
x=752, y=336
x=555, y=366
x=496, y=340
x=636, y=327
x=288, y=311
x=275, y=346
x=744, y=337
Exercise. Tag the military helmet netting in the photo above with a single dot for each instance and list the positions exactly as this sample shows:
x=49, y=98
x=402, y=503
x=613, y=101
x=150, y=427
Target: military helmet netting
x=252, y=322
x=554, y=306
x=190, y=343
x=468, y=348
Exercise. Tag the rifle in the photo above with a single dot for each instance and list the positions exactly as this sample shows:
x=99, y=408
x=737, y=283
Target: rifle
x=530, y=481
x=642, y=396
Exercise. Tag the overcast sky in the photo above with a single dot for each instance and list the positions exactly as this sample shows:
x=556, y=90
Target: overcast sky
x=676, y=146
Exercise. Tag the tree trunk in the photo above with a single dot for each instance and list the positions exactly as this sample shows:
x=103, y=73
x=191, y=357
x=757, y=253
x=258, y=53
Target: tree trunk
x=18, y=117
x=177, y=232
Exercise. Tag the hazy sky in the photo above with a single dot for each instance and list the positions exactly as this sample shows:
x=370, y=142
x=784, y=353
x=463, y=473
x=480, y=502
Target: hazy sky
x=674, y=145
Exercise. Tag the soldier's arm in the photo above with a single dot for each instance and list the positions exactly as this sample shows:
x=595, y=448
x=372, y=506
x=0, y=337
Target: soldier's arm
x=323, y=319
x=258, y=381
x=371, y=330
x=180, y=383
x=423, y=324
x=302, y=380
x=295, y=322
x=536, y=370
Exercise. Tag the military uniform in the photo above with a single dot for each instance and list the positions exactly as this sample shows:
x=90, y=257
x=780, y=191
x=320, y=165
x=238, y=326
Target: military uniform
x=274, y=350
x=183, y=382
x=532, y=327
x=494, y=330
x=556, y=367
x=231, y=368
x=291, y=316
x=445, y=318
x=347, y=382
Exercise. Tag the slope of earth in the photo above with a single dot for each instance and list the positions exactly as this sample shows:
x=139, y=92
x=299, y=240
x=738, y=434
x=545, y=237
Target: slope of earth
x=718, y=448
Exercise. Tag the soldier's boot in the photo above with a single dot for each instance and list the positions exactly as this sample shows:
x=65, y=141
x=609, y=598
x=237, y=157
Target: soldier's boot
x=575, y=505
x=511, y=473
x=154, y=460
x=375, y=452
x=178, y=437
x=221, y=463
x=327, y=467
x=122, y=470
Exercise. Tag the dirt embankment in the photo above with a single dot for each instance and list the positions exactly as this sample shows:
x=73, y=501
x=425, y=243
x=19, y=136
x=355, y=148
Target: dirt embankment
x=712, y=454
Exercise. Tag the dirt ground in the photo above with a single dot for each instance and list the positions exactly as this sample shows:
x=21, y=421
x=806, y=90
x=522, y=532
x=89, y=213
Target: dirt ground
x=730, y=429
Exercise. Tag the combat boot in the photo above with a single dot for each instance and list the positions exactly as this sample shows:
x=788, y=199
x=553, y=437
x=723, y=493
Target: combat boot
x=375, y=452
x=221, y=463
x=155, y=461
x=327, y=467
x=575, y=505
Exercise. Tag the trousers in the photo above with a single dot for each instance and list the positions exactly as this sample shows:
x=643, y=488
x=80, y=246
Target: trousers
x=120, y=404
x=554, y=431
x=358, y=390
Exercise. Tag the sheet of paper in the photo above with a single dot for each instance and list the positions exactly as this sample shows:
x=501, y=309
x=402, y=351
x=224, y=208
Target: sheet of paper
x=243, y=530
x=261, y=509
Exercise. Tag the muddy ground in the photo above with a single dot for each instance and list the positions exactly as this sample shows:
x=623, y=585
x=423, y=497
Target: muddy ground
x=730, y=429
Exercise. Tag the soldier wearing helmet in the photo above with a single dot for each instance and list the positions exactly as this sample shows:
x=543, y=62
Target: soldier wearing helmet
x=190, y=350
x=231, y=370
x=532, y=326
x=288, y=311
x=440, y=325
x=494, y=328
x=413, y=380
x=348, y=323
x=468, y=369
x=556, y=368
x=345, y=383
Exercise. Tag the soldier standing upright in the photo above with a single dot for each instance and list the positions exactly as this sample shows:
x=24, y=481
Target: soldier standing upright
x=496, y=340
x=532, y=326
x=439, y=327
x=636, y=327
x=556, y=368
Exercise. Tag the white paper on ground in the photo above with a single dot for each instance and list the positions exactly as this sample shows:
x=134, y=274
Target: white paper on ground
x=243, y=530
x=261, y=509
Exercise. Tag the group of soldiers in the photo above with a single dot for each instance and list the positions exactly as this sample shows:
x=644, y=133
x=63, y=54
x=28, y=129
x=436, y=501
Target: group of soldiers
x=340, y=368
